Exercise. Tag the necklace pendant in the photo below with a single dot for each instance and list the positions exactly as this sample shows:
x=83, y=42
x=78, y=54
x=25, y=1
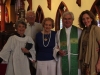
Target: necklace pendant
x=45, y=39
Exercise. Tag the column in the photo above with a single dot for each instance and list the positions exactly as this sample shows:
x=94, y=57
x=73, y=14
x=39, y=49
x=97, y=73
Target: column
x=2, y=17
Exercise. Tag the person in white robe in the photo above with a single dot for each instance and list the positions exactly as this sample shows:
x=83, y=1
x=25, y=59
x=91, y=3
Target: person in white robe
x=67, y=20
x=15, y=52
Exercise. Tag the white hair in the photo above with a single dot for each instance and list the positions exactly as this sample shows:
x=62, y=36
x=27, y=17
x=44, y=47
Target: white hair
x=68, y=13
x=28, y=12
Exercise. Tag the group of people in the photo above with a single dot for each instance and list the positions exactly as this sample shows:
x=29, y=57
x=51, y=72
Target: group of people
x=69, y=51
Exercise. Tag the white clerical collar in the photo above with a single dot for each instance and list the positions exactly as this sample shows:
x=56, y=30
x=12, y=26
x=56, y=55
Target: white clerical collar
x=69, y=28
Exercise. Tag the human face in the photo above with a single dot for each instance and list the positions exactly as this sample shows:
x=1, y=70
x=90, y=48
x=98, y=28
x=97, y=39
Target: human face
x=30, y=18
x=86, y=20
x=67, y=21
x=21, y=29
x=47, y=26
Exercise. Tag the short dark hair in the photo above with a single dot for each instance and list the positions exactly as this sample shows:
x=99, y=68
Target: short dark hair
x=91, y=15
x=20, y=22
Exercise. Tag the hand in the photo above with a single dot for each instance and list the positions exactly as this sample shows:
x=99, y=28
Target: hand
x=24, y=50
x=98, y=67
x=33, y=61
x=62, y=53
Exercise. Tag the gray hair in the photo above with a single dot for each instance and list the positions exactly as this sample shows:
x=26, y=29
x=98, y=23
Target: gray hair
x=68, y=13
x=28, y=12
x=20, y=22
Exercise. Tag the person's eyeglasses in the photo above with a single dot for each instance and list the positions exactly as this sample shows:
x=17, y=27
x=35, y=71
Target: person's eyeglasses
x=31, y=16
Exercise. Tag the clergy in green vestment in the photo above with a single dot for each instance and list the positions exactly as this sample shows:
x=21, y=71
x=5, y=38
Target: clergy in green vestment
x=66, y=47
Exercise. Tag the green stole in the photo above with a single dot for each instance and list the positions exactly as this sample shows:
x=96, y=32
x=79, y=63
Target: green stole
x=74, y=50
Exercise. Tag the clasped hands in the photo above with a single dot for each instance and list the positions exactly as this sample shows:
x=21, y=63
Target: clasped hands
x=62, y=52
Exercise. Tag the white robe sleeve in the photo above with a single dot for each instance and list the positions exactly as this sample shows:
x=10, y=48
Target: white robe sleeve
x=6, y=51
x=55, y=53
x=56, y=48
x=79, y=33
x=57, y=57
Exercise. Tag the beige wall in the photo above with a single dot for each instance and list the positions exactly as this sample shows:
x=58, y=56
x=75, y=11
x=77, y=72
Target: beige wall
x=71, y=5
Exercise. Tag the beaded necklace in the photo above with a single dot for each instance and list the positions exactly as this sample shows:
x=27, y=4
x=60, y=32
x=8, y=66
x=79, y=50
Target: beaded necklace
x=44, y=39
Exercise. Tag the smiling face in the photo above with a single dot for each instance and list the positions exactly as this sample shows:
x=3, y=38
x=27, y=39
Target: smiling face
x=67, y=20
x=47, y=26
x=30, y=18
x=86, y=20
x=21, y=29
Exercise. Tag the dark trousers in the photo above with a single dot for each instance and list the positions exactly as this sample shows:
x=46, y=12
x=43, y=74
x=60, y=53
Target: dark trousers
x=98, y=73
x=32, y=68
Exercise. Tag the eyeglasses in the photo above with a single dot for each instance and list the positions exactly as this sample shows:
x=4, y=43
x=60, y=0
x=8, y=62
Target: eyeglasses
x=30, y=16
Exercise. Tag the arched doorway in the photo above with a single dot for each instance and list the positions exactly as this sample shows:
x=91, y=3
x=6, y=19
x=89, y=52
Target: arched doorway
x=30, y=4
x=96, y=10
x=96, y=7
x=39, y=15
x=58, y=22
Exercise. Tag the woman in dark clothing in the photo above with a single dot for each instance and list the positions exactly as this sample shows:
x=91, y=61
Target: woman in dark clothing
x=45, y=42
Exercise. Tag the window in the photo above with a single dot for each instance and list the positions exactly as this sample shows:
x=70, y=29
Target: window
x=61, y=26
x=98, y=21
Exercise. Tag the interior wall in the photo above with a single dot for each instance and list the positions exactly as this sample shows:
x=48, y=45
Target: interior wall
x=71, y=5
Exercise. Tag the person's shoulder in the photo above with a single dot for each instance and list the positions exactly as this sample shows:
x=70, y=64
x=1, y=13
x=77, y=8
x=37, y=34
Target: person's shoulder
x=12, y=36
x=36, y=23
x=38, y=26
x=54, y=32
x=77, y=27
x=96, y=28
x=27, y=36
x=38, y=33
x=58, y=31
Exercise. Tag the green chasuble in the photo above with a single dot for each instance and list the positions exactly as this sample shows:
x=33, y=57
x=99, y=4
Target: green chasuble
x=74, y=51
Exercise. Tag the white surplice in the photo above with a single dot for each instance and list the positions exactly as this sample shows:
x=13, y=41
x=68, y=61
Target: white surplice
x=18, y=63
x=57, y=46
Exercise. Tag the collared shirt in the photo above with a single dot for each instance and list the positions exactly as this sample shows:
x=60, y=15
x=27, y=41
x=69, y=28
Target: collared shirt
x=32, y=30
